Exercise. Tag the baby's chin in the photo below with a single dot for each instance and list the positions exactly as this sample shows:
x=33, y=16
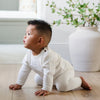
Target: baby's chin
x=25, y=46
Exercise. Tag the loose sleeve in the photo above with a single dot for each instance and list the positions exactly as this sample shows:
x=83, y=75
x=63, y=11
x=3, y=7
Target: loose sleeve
x=24, y=72
x=48, y=72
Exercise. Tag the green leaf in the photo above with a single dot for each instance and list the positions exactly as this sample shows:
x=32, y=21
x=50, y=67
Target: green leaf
x=51, y=6
x=68, y=23
x=82, y=10
x=90, y=10
x=53, y=10
x=53, y=2
x=84, y=5
x=67, y=16
x=47, y=4
x=97, y=10
x=73, y=5
x=68, y=2
x=60, y=9
x=97, y=17
x=54, y=22
x=59, y=13
x=58, y=22
x=75, y=22
x=66, y=10
x=82, y=18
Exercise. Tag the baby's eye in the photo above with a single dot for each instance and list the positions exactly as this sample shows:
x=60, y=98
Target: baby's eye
x=28, y=33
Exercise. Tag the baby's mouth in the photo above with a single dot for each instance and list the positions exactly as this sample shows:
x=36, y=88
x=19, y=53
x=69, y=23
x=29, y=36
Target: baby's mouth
x=23, y=41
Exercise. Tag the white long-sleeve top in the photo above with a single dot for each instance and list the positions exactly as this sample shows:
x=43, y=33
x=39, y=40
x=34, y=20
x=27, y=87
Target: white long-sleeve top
x=48, y=64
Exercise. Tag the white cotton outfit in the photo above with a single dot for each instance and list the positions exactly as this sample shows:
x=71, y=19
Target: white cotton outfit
x=51, y=70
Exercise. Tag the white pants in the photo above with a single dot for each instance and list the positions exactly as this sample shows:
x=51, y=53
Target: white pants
x=65, y=82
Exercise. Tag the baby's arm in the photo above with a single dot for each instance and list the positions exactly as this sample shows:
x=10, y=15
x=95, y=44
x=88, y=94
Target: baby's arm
x=22, y=76
x=47, y=83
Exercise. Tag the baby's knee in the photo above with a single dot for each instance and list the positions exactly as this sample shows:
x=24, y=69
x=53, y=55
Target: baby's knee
x=38, y=80
x=61, y=87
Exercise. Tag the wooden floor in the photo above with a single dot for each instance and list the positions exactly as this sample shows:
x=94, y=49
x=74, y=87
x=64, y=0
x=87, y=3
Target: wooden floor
x=8, y=75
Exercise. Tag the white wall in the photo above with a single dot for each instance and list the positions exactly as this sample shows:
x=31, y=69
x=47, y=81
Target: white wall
x=12, y=31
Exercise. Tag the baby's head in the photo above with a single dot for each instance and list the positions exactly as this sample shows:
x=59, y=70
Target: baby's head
x=38, y=34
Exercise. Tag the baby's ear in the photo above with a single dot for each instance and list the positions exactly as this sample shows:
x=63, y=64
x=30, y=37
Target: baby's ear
x=41, y=40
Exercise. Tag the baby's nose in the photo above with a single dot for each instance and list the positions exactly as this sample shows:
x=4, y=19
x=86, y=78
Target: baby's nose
x=25, y=37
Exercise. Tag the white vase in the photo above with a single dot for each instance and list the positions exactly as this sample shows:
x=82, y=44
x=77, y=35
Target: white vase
x=84, y=48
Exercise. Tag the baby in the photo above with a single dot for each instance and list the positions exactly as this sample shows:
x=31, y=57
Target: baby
x=51, y=69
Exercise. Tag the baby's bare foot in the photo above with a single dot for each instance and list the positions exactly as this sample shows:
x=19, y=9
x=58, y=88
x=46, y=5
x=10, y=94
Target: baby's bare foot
x=85, y=85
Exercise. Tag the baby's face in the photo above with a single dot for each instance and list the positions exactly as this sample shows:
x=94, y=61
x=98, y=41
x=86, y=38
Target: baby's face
x=31, y=38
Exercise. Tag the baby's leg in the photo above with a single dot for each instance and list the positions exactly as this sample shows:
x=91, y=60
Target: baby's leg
x=38, y=79
x=67, y=81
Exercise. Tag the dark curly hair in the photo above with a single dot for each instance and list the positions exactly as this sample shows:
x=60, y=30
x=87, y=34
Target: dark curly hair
x=42, y=27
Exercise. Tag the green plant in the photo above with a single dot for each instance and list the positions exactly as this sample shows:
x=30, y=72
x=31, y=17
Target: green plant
x=76, y=13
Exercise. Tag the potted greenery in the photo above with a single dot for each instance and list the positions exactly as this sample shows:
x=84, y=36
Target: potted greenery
x=84, y=43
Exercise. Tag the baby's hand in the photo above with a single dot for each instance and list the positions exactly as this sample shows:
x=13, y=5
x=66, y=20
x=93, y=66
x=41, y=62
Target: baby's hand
x=15, y=86
x=41, y=92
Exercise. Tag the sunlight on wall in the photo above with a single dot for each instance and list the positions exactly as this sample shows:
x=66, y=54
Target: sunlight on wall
x=18, y=5
x=27, y=5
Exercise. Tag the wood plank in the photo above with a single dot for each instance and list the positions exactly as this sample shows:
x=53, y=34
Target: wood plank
x=7, y=73
x=25, y=94
x=55, y=95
